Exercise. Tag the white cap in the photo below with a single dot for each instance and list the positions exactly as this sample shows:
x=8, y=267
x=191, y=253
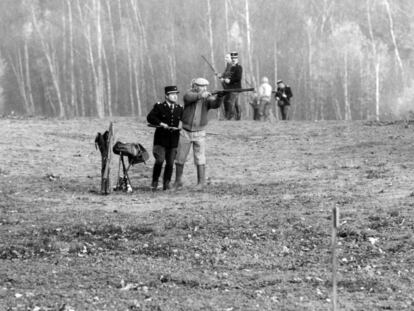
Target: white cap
x=200, y=82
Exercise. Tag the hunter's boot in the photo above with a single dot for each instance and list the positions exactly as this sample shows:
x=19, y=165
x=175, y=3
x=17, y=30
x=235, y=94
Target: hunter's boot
x=201, y=177
x=156, y=172
x=179, y=169
x=168, y=170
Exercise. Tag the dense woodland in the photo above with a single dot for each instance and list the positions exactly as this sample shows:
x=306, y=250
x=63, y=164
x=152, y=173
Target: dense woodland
x=344, y=59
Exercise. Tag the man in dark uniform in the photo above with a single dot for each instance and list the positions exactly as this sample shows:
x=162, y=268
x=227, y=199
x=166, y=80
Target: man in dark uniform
x=232, y=80
x=283, y=96
x=226, y=74
x=166, y=116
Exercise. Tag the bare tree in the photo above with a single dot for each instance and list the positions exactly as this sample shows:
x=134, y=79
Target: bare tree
x=100, y=84
x=53, y=70
x=348, y=115
x=19, y=74
x=226, y=18
x=394, y=40
x=27, y=34
x=210, y=37
x=114, y=55
x=73, y=101
x=377, y=61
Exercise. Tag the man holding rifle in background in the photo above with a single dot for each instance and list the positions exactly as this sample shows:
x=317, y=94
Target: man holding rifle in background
x=166, y=117
x=231, y=79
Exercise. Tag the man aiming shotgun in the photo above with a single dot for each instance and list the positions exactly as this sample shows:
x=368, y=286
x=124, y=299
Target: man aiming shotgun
x=197, y=103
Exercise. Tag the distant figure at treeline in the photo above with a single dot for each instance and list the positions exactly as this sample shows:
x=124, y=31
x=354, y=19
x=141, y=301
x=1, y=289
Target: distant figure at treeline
x=264, y=94
x=283, y=95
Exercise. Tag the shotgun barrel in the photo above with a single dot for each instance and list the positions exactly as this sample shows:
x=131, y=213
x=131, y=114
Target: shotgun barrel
x=251, y=89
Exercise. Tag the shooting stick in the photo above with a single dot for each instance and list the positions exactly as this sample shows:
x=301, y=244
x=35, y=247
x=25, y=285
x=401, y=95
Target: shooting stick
x=335, y=224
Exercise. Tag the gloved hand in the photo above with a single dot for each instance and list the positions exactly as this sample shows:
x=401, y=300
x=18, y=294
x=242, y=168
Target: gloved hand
x=221, y=94
x=205, y=94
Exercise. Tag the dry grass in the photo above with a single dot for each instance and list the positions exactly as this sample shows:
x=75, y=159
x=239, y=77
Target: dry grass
x=258, y=238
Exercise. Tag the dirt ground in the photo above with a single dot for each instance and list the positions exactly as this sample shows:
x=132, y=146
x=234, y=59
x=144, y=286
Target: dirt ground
x=257, y=238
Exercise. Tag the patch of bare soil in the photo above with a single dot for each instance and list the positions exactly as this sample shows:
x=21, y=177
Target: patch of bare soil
x=257, y=238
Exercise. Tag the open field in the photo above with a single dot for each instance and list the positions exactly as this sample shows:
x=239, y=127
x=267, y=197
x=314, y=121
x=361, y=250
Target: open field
x=258, y=238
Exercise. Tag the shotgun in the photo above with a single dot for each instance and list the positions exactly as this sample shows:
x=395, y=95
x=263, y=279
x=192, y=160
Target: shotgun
x=171, y=128
x=223, y=92
x=210, y=65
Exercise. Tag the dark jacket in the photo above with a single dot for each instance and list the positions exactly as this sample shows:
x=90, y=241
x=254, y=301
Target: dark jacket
x=283, y=95
x=196, y=110
x=236, y=73
x=226, y=74
x=162, y=113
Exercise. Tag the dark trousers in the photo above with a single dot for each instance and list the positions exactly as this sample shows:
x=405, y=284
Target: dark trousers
x=231, y=106
x=256, y=113
x=284, y=111
x=162, y=154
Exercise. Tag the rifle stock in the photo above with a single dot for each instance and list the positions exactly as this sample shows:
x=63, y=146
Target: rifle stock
x=171, y=128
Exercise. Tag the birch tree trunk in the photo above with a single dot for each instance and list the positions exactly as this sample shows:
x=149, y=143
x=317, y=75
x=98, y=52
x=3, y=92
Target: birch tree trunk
x=63, y=61
x=249, y=41
x=310, y=72
x=348, y=115
x=130, y=69
x=275, y=77
x=136, y=76
x=100, y=85
x=249, y=51
x=376, y=63
x=337, y=107
x=28, y=79
x=92, y=76
x=46, y=92
x=143, y=51
x=173, y=59
x=146, y=49
x=18, y=72
x=114, y=56
x=108, y=82
x=52, y=68
x=210, y=38
x=81, y=96
x=226, y=18
x=93, y=73
x=73, y=94
x=394, y=40
x=377, y=89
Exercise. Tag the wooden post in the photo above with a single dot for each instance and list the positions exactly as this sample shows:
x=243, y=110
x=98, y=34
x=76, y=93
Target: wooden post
x=335, y=224
x=106, y=162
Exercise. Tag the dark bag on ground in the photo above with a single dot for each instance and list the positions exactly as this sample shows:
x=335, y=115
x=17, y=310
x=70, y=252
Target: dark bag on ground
x=136, y=153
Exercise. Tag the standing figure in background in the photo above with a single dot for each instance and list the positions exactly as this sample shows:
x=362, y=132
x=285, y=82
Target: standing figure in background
x=232, y=81
x=283, y=96
x=222, y=76
x=166, y=116
x=197, y=102
x=264, y=94
x=226, y=74
x=254, y=102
